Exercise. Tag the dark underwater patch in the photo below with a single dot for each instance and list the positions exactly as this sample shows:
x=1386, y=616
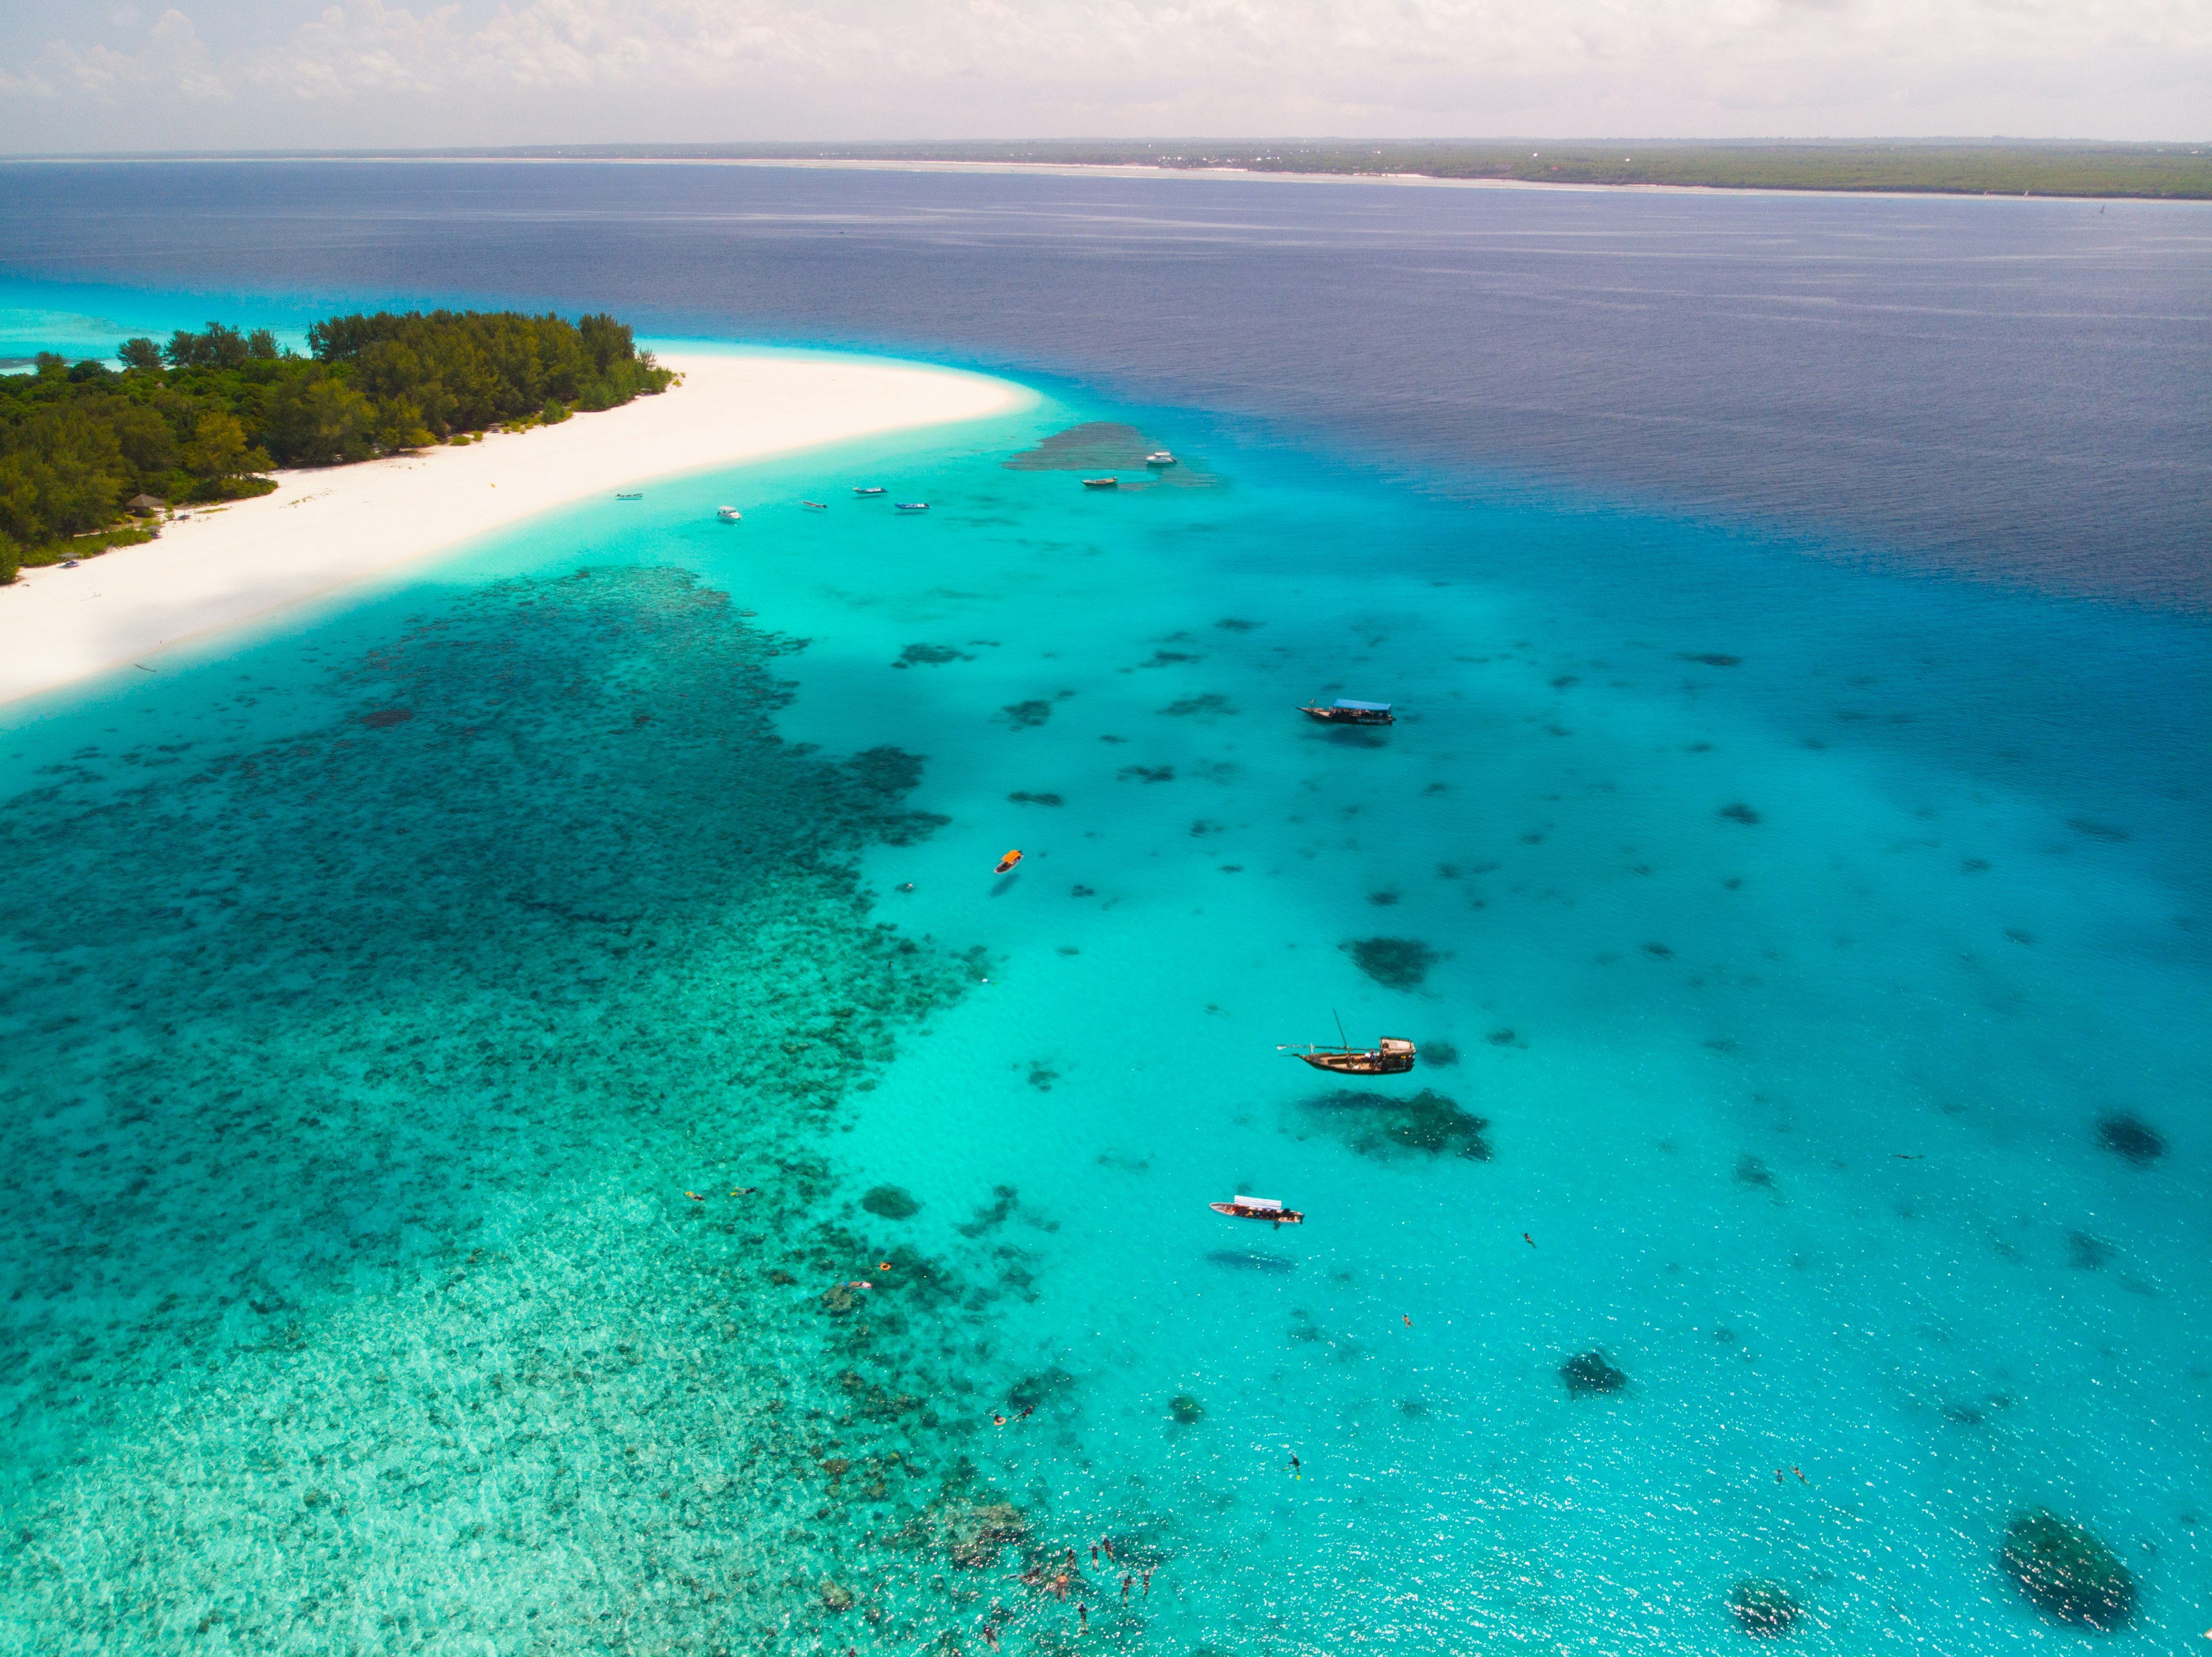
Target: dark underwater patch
x=1739, y=812
x=1714, y=659
x=1238, y=1259
x=1393, y=963
x=439, y=1006
x=891, y=1203
x=1425, y=1123
x=1763, y=1609
x=2067, y=1572
x=2128, y=1136
x=1028, y=715
x=1209, y=705
x=1589, y=1374
x=930, y=655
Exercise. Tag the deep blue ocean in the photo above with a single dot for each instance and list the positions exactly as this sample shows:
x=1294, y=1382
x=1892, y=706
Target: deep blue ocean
x=466, y=1040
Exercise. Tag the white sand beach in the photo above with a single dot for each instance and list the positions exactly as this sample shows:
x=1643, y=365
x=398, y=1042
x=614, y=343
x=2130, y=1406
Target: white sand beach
x=325, y=528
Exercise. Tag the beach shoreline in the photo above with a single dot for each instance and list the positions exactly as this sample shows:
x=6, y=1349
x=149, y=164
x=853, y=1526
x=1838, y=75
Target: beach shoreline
x=326, y=528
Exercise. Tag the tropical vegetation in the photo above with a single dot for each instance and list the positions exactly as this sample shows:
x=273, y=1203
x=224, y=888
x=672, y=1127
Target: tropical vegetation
x=88, y=449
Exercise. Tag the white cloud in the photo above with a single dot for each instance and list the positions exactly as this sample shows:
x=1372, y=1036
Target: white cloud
x=978, y=67
x=172, y=60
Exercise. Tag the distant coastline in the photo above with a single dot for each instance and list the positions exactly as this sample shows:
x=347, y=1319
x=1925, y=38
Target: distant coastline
x=325, y=528
x=2181, y=171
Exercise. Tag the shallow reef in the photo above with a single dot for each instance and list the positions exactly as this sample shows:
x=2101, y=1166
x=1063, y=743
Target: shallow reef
x=389, y=1145
x=2131, y=1138
x=1393, y=963
x=890, y=1202
x=1588, y=1374
x=2067, y=1572
x=1425, y=1123
x=1763, y=1608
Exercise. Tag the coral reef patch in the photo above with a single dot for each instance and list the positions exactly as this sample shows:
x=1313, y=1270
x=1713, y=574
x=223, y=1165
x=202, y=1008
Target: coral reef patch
x=1425, y=1123
x=2131, y=1138
x=1393, y=963
x=890, y=1202
x=1589, y=1374
x=1763, y=1608
x=2067, y=1572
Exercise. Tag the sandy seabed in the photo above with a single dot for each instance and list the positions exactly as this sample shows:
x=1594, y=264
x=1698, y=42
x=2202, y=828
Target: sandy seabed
x=326, y=526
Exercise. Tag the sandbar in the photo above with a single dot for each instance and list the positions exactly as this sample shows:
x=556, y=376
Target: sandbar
x=324, y=527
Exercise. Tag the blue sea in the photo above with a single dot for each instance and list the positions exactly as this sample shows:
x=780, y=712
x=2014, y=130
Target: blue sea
x=531, y=1124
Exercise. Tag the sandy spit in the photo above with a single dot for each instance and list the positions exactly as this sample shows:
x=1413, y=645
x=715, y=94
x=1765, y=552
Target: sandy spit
x=324, y=528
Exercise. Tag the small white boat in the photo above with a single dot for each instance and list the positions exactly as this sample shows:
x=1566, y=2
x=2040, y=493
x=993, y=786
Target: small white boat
x=1269, y=1209
x=1159, y=457
x=911, y=506
x=635, y=494
x=729, y=514
x=870, y=490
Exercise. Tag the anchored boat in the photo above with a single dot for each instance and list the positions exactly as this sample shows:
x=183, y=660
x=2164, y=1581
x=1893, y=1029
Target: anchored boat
x=729, y=514
x=869, y=490
x=633, y=495
x=1159, y=457
x=1394, y=1057
x=1259, y=1208
x=1341, y=712
x=816, y=506
x=910, y=506
x=1102, y=483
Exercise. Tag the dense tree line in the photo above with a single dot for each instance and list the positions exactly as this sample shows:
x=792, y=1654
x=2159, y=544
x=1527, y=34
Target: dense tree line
x=201, y=418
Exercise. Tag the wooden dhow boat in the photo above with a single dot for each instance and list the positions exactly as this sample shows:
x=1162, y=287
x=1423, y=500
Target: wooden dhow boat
x=1102, y=483
x=1341, y=712
x=1259, y=1208
x=1394, y=1056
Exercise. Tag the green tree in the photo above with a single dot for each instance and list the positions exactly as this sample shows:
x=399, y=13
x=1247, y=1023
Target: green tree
x=141, y=355
x=316, y=419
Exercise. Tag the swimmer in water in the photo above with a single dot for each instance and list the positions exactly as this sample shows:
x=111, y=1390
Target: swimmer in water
x=1527, y=1239
x=1800, y=1471
x=1126, y=1580
x=998, y=1420
x=1148, y=1579
x=1408, y=1318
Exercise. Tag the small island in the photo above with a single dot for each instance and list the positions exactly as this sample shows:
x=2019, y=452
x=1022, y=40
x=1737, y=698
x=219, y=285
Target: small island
x=89, y=453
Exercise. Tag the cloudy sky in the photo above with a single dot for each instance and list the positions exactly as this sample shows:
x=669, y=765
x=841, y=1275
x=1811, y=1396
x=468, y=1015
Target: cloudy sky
x=78, y=75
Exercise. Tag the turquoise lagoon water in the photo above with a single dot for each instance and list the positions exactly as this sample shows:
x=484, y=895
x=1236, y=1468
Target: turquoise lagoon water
x=388, y=987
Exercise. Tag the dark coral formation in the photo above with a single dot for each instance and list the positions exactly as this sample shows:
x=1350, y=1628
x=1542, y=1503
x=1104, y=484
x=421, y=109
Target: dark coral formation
x=1739, y=812
x=891, y=1203
x=930, y=655
x=1186, y=1410
x=1425, y=1123
x=1438, y=1053
x=1393, y=963
x=2128, y=1135
x=1209, y=704
x=2067, y=1572
x=1588, y=1374
x=1032, y=713
x=418, y=968
x=1762, y=1609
